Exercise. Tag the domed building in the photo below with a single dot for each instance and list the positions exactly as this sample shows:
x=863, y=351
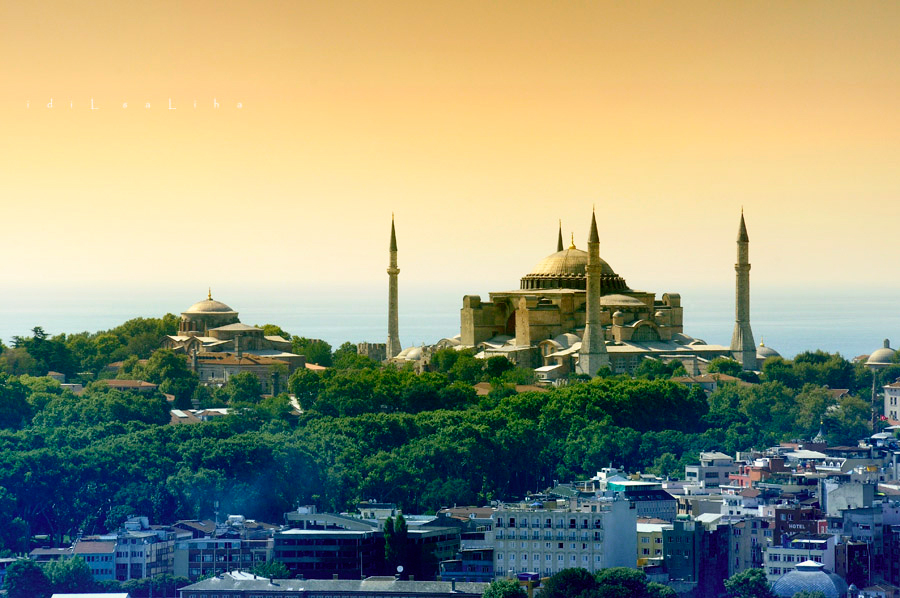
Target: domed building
x=542, y=324
x=204, y=315
x=812, y=577
x=210, y=326
x=763, y=353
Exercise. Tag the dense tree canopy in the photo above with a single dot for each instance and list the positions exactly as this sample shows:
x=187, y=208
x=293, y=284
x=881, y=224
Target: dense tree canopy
x=70, y=463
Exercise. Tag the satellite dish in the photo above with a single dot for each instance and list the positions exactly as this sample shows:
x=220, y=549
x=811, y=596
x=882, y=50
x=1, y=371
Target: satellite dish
x=399, y=568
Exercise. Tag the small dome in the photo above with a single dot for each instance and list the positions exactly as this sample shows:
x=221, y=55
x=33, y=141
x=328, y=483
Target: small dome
x=881, y=357
x=619, y=314
x=764, y=352
x=209, y=306
x=411, y=353
x=567, y=339
x=812, y=577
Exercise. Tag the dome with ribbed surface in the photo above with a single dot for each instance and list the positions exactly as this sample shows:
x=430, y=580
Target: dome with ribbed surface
x=812, y=577
x=567, y=269
x=881, y=357
x=209, y=306
x=764, y=352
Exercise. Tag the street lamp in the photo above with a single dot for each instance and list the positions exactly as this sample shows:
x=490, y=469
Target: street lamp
x=878, y=360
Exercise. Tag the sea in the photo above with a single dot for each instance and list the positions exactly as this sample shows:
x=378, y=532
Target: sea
x=851, y=322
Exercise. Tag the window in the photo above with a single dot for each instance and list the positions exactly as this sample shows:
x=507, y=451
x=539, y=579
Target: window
x=645, y=540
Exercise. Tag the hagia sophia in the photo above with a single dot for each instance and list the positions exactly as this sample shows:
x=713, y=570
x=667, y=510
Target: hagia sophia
x=572, y=313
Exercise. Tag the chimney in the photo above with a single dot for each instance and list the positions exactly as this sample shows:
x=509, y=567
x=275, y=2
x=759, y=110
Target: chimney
x=237, y=347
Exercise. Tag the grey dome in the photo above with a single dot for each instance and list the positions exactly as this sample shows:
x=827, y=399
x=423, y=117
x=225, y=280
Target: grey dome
x=883, y=356
x=812, y=577
x=764, y=352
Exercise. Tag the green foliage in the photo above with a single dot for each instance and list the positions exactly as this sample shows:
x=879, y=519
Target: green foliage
x=496, y=366
x=749, y=583
x=809, y=594
x=15, y=410
x=396, y=543
x=626, y=582
x=315, y=350
x=504, y=588
x=273, y=330
x=25, y=579
x=243, y=388
x=70, y=576
x=724, y=365
x=272, y=570
x=653, y=369
x=172, y=372
x=814, y=367
x=570, y=583
x=346, y=357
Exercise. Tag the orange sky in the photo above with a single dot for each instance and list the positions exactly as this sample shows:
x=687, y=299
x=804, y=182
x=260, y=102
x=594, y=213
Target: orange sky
x=480, y=124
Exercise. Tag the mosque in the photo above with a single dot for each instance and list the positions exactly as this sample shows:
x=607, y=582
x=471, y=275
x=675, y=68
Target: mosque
x=574, y=314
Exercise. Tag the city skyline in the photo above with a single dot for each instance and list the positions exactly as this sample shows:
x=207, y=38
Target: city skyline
x=479, y=126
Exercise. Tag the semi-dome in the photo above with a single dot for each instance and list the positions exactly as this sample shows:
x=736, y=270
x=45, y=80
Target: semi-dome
x=812, y=577
x=567, y=269
x=881, y=357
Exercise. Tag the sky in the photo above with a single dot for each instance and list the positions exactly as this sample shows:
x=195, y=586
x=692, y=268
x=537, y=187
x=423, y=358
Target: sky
x=479, y=125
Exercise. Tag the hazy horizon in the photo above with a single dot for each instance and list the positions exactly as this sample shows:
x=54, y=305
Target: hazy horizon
x=850, y=321
x=479, y=125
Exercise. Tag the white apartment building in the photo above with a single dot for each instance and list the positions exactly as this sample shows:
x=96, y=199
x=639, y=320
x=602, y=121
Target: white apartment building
x=713, y=469
x=548, y=537
x=802, y=547
x=891, y=400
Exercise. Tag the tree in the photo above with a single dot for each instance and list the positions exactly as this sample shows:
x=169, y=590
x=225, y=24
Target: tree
x=496, y=366
x=70, y=576
x=15, y=411
x=304, y=384
x=315, y=350
x=504, y=588
x=273, y=330
x=615, y=582
x=272, y=570
x=652, y=369
x=395, y=542
x=25, y=579
x=172, y=372
x=569, y=583
x=724, y=365
x=243, y=388
x=809, y=594
x=749, y=583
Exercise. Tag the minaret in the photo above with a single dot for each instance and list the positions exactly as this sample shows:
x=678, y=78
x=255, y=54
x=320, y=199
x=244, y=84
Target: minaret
x=559, y=245
x=593, y=355
x=742, y=346
x=393, y=340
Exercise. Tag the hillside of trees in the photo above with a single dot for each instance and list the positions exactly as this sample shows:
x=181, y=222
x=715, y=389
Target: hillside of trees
x=71, y=464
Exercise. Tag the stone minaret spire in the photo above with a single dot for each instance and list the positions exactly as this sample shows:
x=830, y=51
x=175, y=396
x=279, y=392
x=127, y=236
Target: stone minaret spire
x=742, y=346
x=393, y=340
x=559, y=245
x=593, y=355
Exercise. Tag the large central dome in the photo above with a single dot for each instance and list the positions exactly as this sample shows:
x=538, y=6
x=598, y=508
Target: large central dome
x=209, y=306
x=566, y=269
